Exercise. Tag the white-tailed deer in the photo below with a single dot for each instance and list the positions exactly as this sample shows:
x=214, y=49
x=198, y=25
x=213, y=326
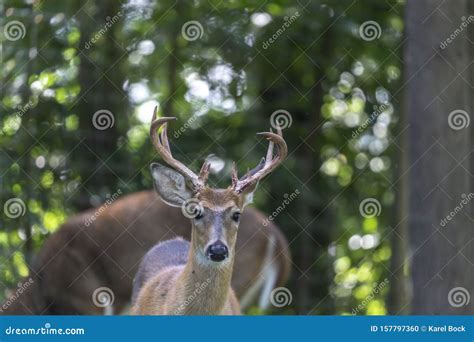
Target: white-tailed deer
x=177, y=277
x=78, y=259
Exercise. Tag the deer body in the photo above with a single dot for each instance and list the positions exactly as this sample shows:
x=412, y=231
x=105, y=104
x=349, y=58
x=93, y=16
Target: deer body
x=194, y=289
x=169, y=287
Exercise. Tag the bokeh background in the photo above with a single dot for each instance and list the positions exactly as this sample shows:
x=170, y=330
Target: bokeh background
x=333, y=73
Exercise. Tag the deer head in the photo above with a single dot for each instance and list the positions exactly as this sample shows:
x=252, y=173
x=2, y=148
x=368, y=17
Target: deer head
x=215, y=212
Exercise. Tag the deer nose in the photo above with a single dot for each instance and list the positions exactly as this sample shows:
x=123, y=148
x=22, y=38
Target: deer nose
x=217, y=251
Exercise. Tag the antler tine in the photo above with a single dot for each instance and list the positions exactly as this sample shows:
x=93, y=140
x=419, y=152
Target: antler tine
x=204, y=173
x=161, y=144
x=234, y=176
x=164, y=137
x=269, y=156
x=257, y=168
x=270, y=163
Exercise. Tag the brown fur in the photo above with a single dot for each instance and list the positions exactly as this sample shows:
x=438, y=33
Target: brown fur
x=188, y=289
x=76, y=260
x=173, y=290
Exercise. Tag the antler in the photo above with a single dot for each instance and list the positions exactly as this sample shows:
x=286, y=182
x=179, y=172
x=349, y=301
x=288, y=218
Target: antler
x=162, y=146
x=266, y=165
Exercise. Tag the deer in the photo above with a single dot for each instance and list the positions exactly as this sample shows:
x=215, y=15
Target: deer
x=78, y=259
x=179, y=277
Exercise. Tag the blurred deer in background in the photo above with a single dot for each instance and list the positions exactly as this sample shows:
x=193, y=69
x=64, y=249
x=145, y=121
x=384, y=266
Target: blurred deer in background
x=194, y=278
x=77, y=259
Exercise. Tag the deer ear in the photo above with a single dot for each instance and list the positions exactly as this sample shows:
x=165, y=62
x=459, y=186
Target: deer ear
x=247, y=194
x=170, y=185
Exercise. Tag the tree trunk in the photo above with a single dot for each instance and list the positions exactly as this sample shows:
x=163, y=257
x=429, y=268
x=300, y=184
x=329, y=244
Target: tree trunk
x=439, y=173
x=101, y=84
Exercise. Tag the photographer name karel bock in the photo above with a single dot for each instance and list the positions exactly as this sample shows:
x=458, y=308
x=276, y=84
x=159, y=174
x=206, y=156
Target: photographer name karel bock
x=446, y=328
x=417, y=328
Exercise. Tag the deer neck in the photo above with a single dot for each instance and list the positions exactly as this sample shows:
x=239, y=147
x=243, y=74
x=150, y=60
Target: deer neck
x=205, y=285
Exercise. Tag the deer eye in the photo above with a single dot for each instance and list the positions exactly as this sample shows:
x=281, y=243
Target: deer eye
x=199, y=215
x=236, y=216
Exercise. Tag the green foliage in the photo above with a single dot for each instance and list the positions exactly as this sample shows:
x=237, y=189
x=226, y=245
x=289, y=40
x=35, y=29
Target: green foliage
x=223, y=87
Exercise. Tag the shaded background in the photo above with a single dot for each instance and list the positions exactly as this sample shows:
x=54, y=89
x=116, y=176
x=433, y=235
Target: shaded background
x=223, y=68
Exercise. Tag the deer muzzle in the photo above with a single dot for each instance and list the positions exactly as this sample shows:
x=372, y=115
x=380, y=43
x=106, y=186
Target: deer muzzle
x=217, y=252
